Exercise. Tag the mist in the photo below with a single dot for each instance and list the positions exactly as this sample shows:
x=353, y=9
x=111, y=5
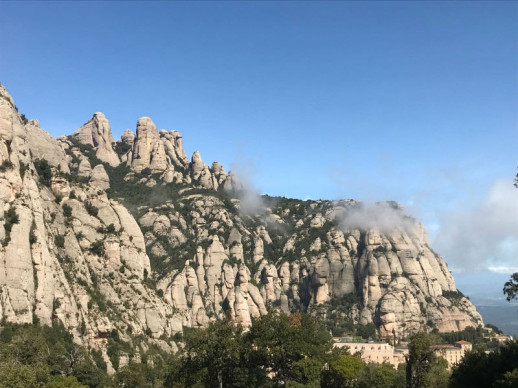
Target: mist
x=251, y=202
x=382, y=216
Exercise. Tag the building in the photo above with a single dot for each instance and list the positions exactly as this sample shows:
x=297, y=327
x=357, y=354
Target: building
x=370, y=351
x=453, y=354
x=383, y=352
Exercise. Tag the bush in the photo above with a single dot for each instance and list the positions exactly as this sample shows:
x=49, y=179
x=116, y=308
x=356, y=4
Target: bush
x=59, y=240
x=6, y=165
x=32, y=235
x=23, y=168
x=67, y=211
x=44, y=171
x=11, y=218
x=97, y=248
x=91, y=209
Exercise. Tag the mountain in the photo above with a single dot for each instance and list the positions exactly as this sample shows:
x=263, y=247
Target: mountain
x=132, y=236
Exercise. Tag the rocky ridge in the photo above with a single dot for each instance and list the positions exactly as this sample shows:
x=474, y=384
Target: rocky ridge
x=132, y=236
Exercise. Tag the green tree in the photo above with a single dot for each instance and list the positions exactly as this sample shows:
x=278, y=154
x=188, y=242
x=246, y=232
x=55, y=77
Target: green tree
x=14, y=374
x=374, y=375
x=281, y=341
x=344, y=371
x=64, y=382
x=215, y=356
x=420, y=359
x=479, y=369
x=511, y=287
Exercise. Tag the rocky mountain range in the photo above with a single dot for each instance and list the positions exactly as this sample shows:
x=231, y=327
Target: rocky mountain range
x=133, y=236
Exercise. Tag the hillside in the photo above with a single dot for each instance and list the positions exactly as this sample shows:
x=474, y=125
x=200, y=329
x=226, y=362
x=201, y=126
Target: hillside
x=132, y=236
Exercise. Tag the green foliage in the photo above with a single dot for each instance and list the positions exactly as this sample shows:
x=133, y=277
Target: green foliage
x=6, y=165
x=67, y=211
x=43, y=356
x=23, y=169
x=337, y=314
x=87, y=150
x=97, y=298
x=479, y=369
x=59, y=240
x=10, y=218
x=470, y=334
x=23, y=118
x=121, y=148
x=14, y=374
x=32, y=235
x=344, y=371
x=278, y=350
x=44, y=171
x=421, y=362
x=511, y=287
x=110, y=229
x=374, y=375
x=64, y=382
x=91, y=209
x=367, y=331
x=282, y=340
x=97, y=248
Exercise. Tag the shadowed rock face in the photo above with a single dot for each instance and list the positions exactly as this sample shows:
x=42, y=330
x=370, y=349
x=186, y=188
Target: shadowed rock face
x=144, y=241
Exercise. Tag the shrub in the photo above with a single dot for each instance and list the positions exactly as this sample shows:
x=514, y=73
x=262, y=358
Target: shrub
x=11, y=218
x=6, y=165
x=23, y=168
x=59, y=240
x=32, y=236
x=91, y=209
x=97, y=248
x=44, y=171
x=67, y=211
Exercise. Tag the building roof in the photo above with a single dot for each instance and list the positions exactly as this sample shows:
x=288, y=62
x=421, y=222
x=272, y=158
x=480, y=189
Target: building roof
x=463, y=342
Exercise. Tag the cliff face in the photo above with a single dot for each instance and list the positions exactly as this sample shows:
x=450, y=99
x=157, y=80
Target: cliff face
x=133, y=236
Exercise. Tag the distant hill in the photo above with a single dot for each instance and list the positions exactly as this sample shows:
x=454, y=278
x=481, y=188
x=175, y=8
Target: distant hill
x=504, y=317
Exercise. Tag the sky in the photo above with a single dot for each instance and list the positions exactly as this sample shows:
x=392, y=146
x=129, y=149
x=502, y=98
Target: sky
x=408, y=101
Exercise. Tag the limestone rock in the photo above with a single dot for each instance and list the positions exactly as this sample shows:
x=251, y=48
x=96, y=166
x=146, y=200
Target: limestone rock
x=100, y=178
x=97, y=133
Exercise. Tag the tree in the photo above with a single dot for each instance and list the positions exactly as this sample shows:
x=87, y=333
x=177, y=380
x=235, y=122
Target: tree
x=278, y=350
x=14, y=374
x=344, y=371
x=420, y=359
x=479, y=369
x=215, y=356
x=375, y=375
x=282, y=341
x=511, y=287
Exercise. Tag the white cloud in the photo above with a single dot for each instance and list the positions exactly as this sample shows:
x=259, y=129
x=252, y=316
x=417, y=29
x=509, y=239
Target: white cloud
x=485, y=235
x=383, y=216
x=504, y=270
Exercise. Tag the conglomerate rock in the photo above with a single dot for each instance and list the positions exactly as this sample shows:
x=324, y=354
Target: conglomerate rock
x=134, y=237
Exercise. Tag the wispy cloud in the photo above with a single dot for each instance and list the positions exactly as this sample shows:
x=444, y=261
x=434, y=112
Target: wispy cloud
x=383, y=216
x=483, y=236
x=251, y=202
x=504, y=270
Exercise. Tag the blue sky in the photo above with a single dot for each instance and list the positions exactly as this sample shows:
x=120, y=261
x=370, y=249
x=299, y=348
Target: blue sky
x=408, y=101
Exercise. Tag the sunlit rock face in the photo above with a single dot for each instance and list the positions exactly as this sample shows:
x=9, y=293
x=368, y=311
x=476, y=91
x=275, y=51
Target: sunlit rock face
x=133, y=236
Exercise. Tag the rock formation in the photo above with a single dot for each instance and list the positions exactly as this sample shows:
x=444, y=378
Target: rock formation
x=132, y=236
